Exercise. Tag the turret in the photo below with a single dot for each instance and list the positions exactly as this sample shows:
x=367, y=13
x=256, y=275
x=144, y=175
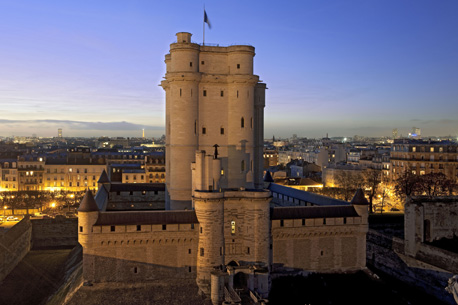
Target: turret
x=104, y=181
x=88, y=214
x=361, y=205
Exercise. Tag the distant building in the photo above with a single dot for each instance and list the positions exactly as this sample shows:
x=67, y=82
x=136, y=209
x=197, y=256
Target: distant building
x=424, y=157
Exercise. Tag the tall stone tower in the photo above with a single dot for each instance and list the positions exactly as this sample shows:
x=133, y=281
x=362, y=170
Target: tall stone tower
x=212, y=97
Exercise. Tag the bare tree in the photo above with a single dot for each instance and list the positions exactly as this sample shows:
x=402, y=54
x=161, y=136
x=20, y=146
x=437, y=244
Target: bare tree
x=372, y=179
x=407, y=184
x=348, y=181
x=435, y=184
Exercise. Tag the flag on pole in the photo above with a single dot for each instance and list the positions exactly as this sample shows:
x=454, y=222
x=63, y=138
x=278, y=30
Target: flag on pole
x=206, y=20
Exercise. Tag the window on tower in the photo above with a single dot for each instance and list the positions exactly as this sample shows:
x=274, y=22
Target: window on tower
x=242, y=122
x=238, y=66
x=232, y=227
x=205, y=93
x=222, y=93
x=222, y=130
x=242, y=165
x=204, y=130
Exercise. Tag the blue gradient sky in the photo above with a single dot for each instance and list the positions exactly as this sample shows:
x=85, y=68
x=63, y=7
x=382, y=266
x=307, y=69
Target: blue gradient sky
x=341, y=67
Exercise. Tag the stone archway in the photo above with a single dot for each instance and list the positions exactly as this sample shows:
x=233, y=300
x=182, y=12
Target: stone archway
x=233, y=264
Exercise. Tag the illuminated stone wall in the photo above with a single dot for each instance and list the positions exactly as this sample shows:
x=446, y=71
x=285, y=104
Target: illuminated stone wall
x=315, y=246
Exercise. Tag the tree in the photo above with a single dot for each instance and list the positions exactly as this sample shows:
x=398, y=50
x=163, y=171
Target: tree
x=348, y=181
x=407, y=184
x=372, y=179
x=436, y=184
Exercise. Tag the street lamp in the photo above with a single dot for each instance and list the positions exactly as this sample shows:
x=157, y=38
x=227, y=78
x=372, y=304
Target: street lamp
x=4, y=210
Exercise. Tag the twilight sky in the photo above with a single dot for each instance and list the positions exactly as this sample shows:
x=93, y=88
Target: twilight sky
x=343, y=67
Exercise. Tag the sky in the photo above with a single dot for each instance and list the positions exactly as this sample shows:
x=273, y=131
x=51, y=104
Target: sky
x=342, y=67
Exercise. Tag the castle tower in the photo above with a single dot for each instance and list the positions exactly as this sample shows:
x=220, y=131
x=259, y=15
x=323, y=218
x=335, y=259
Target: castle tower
x=88, y=214
x=212, y=97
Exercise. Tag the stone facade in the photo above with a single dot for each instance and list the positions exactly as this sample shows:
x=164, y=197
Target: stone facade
x=220, y=225
x=15, y=244
x=212, y=97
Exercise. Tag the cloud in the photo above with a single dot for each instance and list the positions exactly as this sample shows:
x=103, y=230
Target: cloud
x=79, y=125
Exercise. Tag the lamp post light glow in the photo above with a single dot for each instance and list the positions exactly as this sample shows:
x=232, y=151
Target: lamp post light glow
x=53, y=204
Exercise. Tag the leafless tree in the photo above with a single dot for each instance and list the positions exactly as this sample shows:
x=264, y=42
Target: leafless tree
x=348, y=181
x=372, y=179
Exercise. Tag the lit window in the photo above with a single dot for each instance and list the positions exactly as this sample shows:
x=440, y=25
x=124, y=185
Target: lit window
x=232, y=227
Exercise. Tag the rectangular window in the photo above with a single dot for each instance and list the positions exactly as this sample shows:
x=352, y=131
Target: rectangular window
x=222, y=130
x=81, y=229
x=190, y=64
x=303, y=222
x=238, y=66
x=201, y=251
x=189, y=269
x=204, y=130
x=192, y=226
x=202, y=62
x=180, y=91
x=164, y=227
x=345, y=220
x=189, y=251
x=112, y=228
x=282, y=223
x=205, y=93
x=324, y=221
x=222, y=93
x=201, y=229
x=248, y=250
x=139, y=227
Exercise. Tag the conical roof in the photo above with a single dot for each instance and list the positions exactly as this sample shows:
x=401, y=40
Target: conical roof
x=88, y=203
x=104, y=178
x=359, y=198
x=268, y=177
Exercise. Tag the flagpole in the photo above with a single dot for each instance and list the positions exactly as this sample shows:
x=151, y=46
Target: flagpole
x=203, y=43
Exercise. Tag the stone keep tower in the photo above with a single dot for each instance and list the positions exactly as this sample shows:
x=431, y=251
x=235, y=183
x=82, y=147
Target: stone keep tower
x=212, y=97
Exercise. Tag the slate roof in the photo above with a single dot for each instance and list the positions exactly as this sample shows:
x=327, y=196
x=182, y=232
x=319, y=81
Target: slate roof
x=312, y=212
x=268, y=177
x=136, y=187
x=88, y=203
x=103, y=178
x=359, y=198
x=146, y=218
x=305, y=196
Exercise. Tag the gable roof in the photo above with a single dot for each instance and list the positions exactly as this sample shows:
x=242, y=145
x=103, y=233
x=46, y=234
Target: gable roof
x=312, y=212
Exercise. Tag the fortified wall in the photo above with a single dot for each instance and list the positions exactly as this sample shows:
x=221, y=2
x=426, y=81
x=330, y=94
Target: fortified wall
x=58, y=232
x=413, y=260
x=14, y=245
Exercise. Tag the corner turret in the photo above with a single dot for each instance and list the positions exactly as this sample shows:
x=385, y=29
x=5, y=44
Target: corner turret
x=361, y=205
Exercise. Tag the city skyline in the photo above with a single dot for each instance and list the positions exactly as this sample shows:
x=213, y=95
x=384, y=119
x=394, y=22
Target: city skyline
x=342, y=68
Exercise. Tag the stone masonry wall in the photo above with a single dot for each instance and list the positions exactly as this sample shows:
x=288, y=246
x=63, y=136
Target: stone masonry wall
x=386, y=253
x=153, y=253
x=314, y=246
x=57, y=232
x=14, y=245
